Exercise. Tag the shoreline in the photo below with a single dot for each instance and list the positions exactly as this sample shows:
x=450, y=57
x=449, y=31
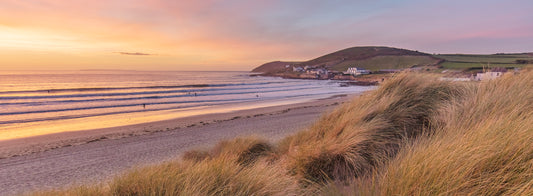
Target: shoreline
x=41, y=143
x=76, y=158
x=365, y=80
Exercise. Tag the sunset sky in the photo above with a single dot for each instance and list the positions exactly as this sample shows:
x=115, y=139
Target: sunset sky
x=242, y=34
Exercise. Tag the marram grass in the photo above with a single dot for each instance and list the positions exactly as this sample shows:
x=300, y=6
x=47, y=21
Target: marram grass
x=485, y=148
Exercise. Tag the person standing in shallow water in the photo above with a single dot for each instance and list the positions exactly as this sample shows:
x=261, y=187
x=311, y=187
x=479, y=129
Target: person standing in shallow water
x=144, y=106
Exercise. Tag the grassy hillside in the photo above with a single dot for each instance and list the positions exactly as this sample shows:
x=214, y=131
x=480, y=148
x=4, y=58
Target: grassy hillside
x=360, y=53
x=371, y=57
x=414, y=135
x=463, y=61
x=376, y=58
x=273, y=67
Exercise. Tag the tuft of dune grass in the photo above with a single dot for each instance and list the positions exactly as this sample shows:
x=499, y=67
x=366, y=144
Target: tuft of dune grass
x=230, y=168
x=359, y=135
x=245, y=151
x=221, y=176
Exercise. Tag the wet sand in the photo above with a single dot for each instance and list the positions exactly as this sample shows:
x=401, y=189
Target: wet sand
x=65, y=159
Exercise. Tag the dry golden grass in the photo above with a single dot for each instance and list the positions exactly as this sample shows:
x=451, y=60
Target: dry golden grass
x=221, y=176
x=360, y=135
x=484, y=148
x=415, y=135
x=244, y=150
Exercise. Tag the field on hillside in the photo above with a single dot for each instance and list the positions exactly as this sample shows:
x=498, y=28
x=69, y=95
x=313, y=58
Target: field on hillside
x=360, y=53
x=414, y=135
x=387, y=62
x=462, y=61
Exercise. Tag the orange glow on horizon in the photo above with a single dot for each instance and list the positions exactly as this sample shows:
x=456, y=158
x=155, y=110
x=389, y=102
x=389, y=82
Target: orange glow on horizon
x=230, y=35
x=60, y=35
x=95, y=46
x=32, y=48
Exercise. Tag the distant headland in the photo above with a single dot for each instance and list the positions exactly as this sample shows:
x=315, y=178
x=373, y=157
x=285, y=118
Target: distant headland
x=370, y=65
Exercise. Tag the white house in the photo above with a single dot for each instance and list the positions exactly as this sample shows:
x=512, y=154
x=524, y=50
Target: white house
x=297, y=69
x=488, y=75
x=357, y=71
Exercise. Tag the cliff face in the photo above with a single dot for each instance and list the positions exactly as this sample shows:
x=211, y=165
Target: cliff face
x=365, y=57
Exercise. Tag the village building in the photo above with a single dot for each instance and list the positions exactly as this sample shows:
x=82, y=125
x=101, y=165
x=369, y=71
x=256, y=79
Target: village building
x=298, y=69
x=356, y=71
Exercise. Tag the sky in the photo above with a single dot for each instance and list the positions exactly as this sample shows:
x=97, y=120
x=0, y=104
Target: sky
x=238, y=35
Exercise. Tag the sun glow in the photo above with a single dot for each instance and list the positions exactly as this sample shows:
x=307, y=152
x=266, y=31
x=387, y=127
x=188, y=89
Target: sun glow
x=36, y=40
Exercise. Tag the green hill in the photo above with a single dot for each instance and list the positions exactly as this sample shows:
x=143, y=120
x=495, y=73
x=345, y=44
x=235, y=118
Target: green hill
x=273, y=67
x=370, y=57
x=375, y=58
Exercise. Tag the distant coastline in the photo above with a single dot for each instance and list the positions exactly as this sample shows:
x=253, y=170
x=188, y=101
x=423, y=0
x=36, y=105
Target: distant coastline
x=366, y=81
x=371, y=65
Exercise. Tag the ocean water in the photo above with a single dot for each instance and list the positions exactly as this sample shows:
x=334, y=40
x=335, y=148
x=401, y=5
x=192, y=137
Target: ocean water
x=36, y=103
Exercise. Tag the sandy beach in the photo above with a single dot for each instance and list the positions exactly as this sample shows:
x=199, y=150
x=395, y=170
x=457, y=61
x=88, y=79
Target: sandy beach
x=70, y=158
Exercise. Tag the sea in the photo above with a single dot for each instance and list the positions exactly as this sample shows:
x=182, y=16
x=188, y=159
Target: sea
x=43, y=102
